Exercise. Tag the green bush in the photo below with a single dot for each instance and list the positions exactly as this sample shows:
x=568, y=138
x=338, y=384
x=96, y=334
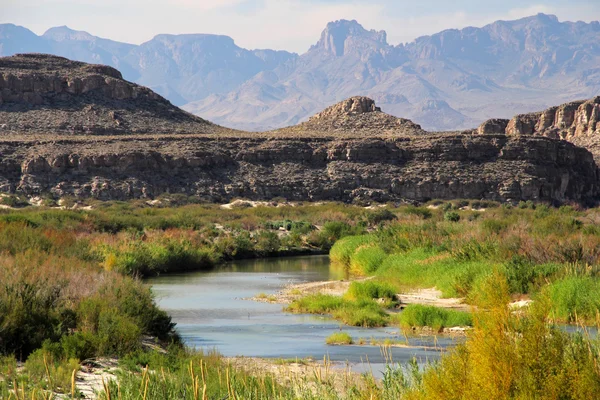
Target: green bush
x=342, y=251
x=14, y=201
x=417, y=315
x=367, y=259
x=370, y=290
x=452, y=216
x=575, y=298
x=380, y=215
x=339, y=338
x=365, y=313
x=492, y=225
x=420, y=212
x=316, y=304
x=267, y=243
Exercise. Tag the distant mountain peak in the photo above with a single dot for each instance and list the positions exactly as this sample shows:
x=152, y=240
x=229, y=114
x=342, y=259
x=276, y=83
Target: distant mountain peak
x=339, y=37
x=61, y=33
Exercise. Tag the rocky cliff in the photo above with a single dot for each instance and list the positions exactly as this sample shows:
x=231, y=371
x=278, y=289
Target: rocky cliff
x=350, y=151
x=496, y=167
x=43, y=94
x=577, y=122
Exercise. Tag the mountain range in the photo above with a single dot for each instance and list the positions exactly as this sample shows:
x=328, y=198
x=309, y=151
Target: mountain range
x=451, y=80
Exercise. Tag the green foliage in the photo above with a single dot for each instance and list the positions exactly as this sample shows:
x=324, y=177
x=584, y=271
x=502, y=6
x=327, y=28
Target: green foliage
x=343, y=250
x=416, y=315
x=420, y=212
x=367, y=259
x=452, y=216
x=514, y=357
x=575, y=298
x=370, y=290
x=14, y=201
x=496, y=226
x=380, y=215
x=267, y=243
x=339, y=338
x=363, y=312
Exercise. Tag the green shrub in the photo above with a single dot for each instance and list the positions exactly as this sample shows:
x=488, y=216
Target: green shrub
x=335, y=230
x=339, y=338
x=575, y=298
x=47, y=364
x=452, y=216
x=380, y=215
x=420, y=212
x=367, y=259
x=417, y=315
x=342, y=251
x=492, y=225
x=14, y=201
x=370, y=290
x=365, y=313
x=79, y=346
x=316, y=304
x=117, y=334
x=267, y=243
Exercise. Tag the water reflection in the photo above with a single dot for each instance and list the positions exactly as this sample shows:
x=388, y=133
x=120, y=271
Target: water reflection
x=210, y=312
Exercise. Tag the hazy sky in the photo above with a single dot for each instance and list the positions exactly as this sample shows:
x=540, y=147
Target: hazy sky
x=291, y=25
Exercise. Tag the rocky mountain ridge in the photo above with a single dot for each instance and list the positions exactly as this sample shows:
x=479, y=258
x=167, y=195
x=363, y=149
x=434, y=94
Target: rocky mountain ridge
x=352, y=151
x=577, y=122
x=43, y=94
x=451, y=80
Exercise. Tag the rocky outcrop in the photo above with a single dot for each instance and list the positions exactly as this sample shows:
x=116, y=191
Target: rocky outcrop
x=44, y=94
x=494, y=126
x=567, y=121
x=349, y=107
x=577, y=121
x=495, y=167
x=351, y=151
x=356, y=114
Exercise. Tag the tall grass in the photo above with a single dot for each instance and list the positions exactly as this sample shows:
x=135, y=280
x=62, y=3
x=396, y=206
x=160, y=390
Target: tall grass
x=416, y=315
x=511, y=356
x=362, y=312
x=342, y=251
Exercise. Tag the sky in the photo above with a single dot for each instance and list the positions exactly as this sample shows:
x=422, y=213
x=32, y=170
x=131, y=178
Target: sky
x=292, y=25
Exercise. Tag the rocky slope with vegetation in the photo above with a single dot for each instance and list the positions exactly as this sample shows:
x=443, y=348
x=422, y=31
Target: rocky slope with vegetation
x=74, y=129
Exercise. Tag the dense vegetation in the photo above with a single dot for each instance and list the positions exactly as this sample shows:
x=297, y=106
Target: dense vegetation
x=541, y=251
x=70, y=290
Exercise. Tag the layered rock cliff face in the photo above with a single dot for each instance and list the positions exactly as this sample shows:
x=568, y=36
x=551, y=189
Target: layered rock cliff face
x=351, y=151
x=577, y=122
x=567, y=121
x=409, y=168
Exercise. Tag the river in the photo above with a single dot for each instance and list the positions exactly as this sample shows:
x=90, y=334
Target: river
x=212, y=312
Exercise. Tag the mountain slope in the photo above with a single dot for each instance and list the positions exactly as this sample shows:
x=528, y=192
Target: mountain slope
x=450, y=80
x=47, y=95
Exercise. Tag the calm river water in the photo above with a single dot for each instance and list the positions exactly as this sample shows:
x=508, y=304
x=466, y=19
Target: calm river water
x=211, y=313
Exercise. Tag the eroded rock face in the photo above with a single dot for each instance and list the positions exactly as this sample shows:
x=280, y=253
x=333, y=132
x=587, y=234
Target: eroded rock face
x=44, y=95
x=351, y=106
x=350, y=151
x=566, y=121
x=356, y=114
x=577, y=121
x=493, y=127
x=495, y=167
